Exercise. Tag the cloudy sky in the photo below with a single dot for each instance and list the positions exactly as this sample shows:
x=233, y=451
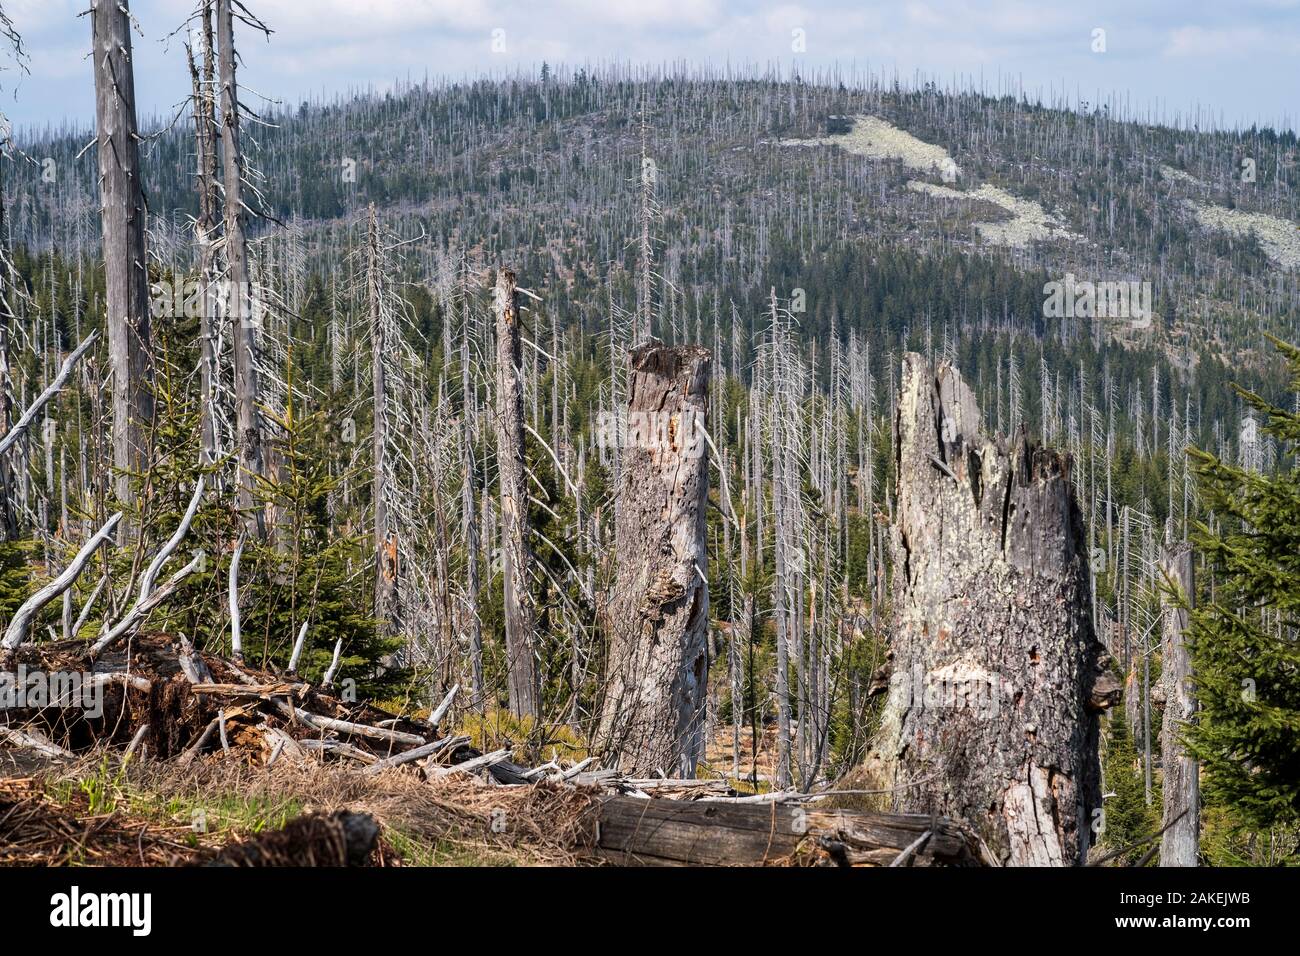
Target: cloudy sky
x=1240, y=60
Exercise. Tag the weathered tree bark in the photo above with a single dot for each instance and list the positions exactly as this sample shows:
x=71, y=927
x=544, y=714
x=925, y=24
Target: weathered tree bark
x=1182, y=788
x=206, y=225
x=124, y=222
x=385, y=540
x=252, y=456
x=658, y=610
x=989, y=717
x=516, y=553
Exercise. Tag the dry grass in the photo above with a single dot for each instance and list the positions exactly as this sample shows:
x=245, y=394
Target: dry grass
x=457, y=820
x=36, y=829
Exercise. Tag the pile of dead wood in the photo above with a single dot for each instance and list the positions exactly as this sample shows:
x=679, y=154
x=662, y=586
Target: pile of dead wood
x=162, y=698
x=166, y=699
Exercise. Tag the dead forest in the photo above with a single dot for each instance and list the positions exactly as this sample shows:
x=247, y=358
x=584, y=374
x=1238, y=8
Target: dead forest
x=621, y=468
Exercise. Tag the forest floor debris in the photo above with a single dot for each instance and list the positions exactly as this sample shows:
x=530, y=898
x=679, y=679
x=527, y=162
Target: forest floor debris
x=187, y=759
x=102, y=811
x=38, y=830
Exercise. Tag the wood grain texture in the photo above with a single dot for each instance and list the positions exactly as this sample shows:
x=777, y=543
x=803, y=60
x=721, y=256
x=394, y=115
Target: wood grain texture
x=722, y=833
x=1181, y=789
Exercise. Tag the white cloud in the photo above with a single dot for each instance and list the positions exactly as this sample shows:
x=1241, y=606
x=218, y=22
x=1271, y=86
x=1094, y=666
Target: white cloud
x=1230, y=42
x=1165, y=49
x=668, y=15
x=33, y=17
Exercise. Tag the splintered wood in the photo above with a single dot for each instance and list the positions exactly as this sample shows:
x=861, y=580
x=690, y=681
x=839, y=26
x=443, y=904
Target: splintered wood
x=991, y=716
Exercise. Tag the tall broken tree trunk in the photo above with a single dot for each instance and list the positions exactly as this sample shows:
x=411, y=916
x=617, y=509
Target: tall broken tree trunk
x=385, y=537
x=658, y=613
x=1182, y=788
x=516, y=554
x=124, y=222
x=244, y=319
x=203, y=81
x=989, y=717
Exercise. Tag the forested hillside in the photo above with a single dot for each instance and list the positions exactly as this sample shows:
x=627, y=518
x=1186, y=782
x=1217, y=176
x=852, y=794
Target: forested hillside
x=423, y=533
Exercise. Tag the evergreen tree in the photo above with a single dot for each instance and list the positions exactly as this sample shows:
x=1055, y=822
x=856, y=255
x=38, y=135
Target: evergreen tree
x=1243, y=632
x=314, y=574
x=1128, y=818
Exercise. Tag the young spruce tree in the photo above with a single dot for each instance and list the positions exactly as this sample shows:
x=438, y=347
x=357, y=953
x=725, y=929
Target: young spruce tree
x=1244, y=631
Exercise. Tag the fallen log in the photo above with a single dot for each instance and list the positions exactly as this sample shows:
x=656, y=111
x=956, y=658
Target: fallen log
x=337, y=747
x=346, y=727
x=17, y=631
x=142, y=608
x=472, y=765
x=643, y=832
x=260, y=691
x=428, y=750
x=31, y=741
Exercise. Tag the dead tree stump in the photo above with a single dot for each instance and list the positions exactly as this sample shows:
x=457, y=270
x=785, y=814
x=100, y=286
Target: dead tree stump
x=989, y=717
x=658, y=609
x=1182, y=790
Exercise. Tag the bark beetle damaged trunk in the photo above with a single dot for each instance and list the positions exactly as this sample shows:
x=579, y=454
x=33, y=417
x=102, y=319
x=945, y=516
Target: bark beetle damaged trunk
x=658, y=609
x=990, y=716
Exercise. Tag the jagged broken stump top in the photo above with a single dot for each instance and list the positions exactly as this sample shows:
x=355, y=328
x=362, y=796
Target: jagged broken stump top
x=994, y=654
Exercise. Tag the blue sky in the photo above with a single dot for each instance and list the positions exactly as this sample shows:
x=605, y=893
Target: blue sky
x=1239, y=60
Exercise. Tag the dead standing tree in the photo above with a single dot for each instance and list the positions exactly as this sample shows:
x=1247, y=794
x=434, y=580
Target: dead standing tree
x=12, y=299
x=124, y=221
x=516, y=553
x=385, y=534
x=988, y=717
x=1181, y=790
x=658, y=610
x=253, y=461
x=207, y=225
